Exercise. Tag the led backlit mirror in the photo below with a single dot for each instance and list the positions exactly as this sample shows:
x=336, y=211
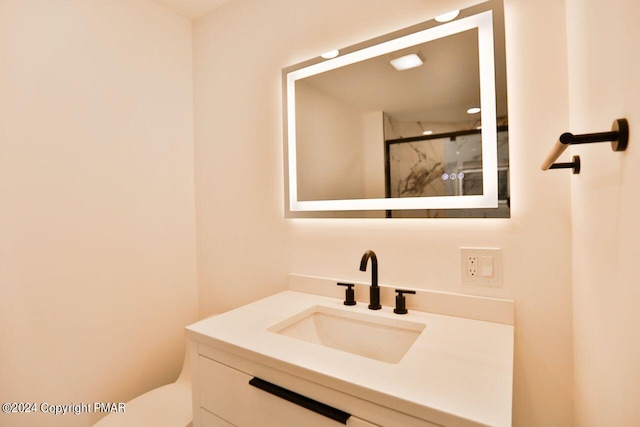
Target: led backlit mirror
x=369, y=136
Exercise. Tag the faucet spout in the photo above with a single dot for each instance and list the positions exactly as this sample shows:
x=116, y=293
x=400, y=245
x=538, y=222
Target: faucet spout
x=374, y=266
x=374, y=291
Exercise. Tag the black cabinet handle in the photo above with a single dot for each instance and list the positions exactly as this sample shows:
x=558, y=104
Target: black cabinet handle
x=300, y=400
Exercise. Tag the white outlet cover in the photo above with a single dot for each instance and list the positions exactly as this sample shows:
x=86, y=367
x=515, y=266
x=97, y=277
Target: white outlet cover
x=495, y=255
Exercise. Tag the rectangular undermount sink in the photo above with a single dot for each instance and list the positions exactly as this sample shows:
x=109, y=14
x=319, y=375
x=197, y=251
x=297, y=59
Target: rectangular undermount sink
x=369, y=335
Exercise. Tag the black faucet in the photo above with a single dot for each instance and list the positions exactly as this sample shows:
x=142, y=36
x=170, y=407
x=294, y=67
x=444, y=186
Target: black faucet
x=374, y=291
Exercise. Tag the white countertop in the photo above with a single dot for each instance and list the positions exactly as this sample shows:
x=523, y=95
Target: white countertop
x=459, y=372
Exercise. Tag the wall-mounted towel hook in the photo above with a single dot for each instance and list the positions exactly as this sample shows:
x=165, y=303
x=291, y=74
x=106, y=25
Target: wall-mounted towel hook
x=618, y=136
x=575, y=165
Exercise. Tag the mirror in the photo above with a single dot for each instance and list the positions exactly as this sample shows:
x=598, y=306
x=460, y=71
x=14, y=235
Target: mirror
x=367, y=138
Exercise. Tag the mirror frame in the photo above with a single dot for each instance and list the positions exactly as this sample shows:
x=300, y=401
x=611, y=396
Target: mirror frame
x=483, y=21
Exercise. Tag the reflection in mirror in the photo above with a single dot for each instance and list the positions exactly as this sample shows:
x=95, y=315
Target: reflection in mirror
x=368, y=138
x=445, y=164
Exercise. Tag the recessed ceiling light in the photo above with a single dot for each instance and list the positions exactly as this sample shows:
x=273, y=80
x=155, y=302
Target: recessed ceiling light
x=474, y=110
x=331, y=54
x=449, y=16
x=407, y=62
x=427, y=132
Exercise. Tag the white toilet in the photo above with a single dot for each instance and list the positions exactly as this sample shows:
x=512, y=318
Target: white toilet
x=166, y=406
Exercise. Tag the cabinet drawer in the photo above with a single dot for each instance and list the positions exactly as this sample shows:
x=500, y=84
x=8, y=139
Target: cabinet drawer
x=209, y=420
x=226, y=392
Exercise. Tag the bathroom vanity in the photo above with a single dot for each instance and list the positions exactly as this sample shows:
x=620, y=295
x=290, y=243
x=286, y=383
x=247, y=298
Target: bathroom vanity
x=299, y=358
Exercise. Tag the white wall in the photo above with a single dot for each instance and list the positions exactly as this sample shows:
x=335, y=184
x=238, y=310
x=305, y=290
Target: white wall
x=604, y=67
x=245, y=247
x=97, y=246
x=373, y=155
x=329, y=146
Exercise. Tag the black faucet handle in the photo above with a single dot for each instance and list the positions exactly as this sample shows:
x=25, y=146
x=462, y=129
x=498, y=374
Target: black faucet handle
x=401, y=302
x=349, y=294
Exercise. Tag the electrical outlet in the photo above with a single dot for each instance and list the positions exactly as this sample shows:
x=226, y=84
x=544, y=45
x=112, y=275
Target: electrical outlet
x=472, y=265
x=481, y=266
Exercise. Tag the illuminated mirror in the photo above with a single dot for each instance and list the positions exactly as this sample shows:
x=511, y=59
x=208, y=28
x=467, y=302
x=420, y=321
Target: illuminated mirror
x=412, y=124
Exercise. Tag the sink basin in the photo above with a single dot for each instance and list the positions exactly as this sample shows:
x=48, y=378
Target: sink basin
x=373, y=336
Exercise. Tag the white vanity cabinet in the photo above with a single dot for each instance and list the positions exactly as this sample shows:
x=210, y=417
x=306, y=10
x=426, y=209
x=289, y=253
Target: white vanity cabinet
x=223, y=396
x=259, y=366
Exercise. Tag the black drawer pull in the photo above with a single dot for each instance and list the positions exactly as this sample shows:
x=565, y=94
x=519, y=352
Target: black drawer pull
x=298, y=399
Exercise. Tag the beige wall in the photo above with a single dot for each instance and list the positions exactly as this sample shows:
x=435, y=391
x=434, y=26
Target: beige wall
x=604, y=67
x=336, y=170
x=238, y=156
x=97, y=246
x=245, y=247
